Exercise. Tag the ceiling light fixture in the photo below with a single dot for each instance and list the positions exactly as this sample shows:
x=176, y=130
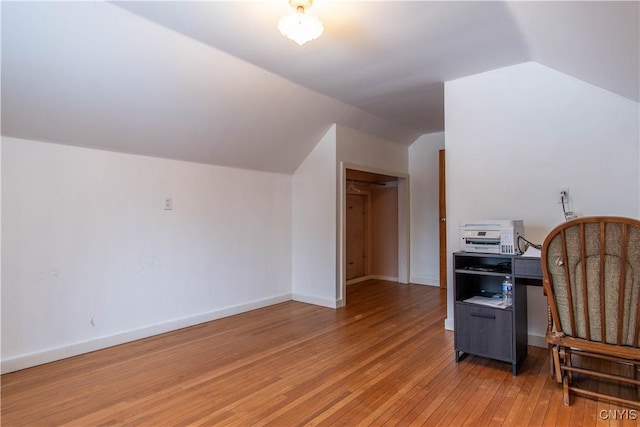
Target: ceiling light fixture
x=300, y=26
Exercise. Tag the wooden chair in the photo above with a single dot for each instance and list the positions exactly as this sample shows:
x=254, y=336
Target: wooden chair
x=591, y=277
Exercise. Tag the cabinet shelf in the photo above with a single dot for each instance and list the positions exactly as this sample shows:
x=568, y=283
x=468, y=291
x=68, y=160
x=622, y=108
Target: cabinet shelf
x=482, y=272
x=497, y=304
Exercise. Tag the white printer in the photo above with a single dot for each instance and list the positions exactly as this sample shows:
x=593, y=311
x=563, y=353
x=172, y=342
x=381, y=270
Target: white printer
x=491, y=236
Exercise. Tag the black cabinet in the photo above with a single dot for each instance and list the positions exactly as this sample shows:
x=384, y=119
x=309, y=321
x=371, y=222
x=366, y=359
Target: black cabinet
x=483, y=326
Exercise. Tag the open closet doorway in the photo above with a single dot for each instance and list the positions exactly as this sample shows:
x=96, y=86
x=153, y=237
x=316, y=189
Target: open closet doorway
x=373, y=227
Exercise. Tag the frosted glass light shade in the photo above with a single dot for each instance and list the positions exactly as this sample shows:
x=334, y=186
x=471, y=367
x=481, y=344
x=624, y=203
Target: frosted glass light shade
x=300, y=27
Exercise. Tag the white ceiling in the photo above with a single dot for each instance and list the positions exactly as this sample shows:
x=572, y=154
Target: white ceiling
x=215, y=82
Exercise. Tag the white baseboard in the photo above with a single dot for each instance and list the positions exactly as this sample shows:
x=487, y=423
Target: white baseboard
x=428, y=281
x=311, y=299
x=387, y=278
x=358, y=280
x=448, y=324
x=371, y=277
x=58, y=353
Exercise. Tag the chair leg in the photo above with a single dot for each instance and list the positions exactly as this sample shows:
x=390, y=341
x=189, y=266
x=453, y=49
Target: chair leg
x=567, y=362
x=556, y=363
x=552, y=368
x=565, y=391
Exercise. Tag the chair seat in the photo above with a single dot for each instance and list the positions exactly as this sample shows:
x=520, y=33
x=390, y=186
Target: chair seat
x=622, y=352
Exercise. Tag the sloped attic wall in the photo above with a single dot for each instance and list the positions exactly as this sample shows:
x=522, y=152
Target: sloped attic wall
x=102, y=77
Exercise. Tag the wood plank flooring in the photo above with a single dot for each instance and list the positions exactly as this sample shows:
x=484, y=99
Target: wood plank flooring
x=385, y=359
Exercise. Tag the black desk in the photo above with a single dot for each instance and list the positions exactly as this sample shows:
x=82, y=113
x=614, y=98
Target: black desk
x=489, y=331
x=527, y=269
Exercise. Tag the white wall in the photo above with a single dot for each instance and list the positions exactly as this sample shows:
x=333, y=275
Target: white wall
x=314, y=225
x=372, y=153
x=515, y=136
x=425, y=216
x=91, y=259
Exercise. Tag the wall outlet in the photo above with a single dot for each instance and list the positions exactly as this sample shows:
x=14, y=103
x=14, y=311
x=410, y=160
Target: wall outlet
x=168, y=203
x=564, y=192
x=563, y=198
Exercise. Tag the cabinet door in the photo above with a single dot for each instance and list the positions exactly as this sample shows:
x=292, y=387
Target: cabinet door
x=484, y=331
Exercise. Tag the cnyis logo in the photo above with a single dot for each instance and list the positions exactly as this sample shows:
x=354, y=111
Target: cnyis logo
x=618, y=414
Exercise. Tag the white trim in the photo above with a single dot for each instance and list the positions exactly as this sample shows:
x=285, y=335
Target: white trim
x=358, y=280
x=371, y=277
x=387, y=278
x=311, y=299
x=448, y=324
x=427, y=281
x=34, y=359
x=341, y=237
x=404, y=230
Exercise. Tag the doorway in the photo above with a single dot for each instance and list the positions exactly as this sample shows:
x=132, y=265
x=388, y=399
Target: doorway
x=374, y=227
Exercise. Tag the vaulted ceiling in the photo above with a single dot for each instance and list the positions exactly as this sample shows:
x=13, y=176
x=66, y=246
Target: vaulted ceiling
x=215, y=82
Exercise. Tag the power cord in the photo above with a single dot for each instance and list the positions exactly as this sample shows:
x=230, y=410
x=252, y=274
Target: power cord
x=530, y=244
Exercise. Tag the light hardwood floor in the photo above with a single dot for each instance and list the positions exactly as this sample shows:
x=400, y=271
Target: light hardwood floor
x=383, y=360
